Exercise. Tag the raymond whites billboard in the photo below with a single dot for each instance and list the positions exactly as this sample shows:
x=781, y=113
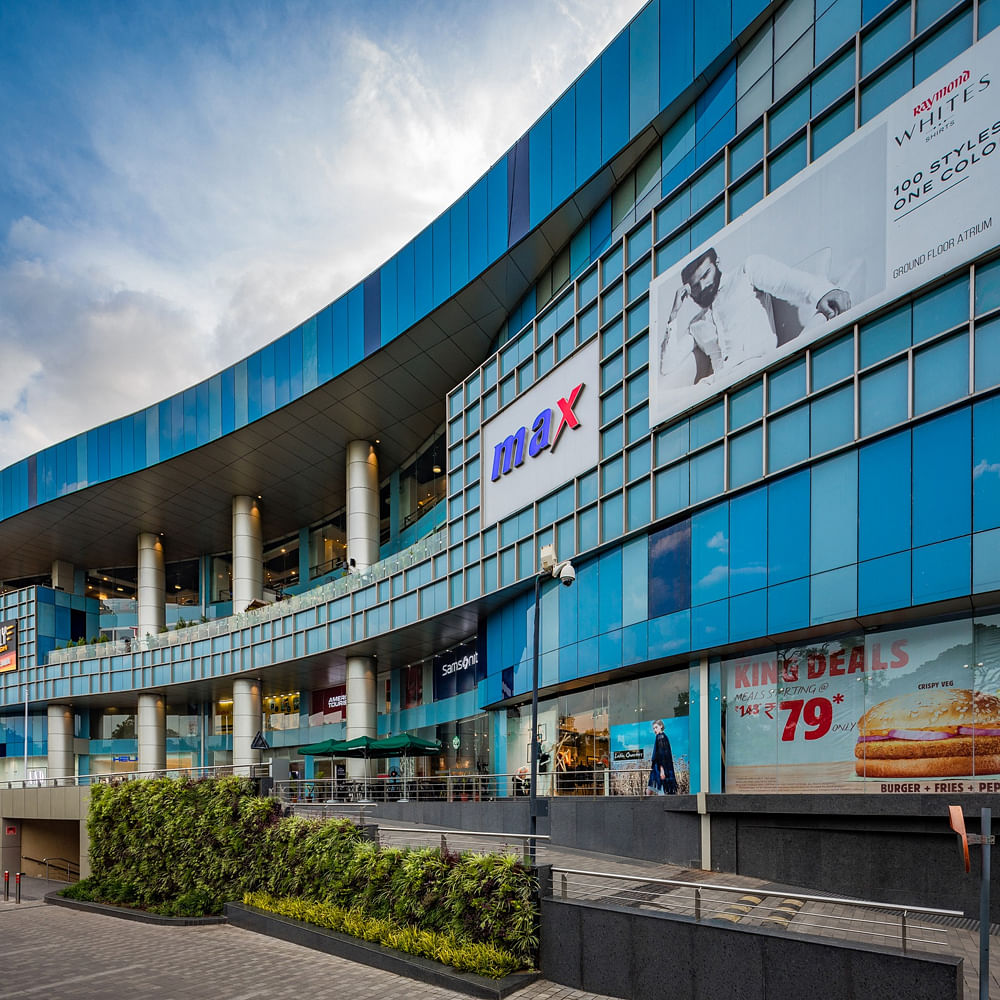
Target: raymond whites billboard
x=909, y=196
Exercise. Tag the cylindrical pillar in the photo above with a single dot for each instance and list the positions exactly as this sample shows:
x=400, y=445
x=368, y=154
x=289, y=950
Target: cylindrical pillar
x=61, y=762
x=246, y=721
x=362, y=505
x=362, y=719
x=248, y=554
x=151, y=728
x=152, y=580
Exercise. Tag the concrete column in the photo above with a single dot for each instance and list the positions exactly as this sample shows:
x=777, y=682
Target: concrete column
x=151, y=728
x=247, y=721
x=362, y=716
x=152, y=581
x=61, y=761
x=63, y=576
x=362, y=504
x=248, y=553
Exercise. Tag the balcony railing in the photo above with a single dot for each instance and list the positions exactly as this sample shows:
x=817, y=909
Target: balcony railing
x=427, y=547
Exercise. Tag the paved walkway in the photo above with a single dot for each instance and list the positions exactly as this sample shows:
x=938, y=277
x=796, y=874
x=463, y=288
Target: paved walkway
x=53, y=953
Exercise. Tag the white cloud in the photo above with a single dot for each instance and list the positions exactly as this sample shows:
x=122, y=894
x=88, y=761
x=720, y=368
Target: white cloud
x=196, y=211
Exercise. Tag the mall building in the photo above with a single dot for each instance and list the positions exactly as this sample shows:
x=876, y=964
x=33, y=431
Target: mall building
x=722, y=326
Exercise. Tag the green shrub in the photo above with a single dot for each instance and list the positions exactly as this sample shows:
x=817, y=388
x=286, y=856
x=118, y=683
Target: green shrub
x=183, y=848
x=486, y=959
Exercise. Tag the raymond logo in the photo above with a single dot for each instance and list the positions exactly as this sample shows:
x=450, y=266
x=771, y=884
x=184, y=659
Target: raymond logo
x=929, y=102
x=509, y=453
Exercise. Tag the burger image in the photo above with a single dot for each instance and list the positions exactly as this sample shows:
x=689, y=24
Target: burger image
x=930, y=734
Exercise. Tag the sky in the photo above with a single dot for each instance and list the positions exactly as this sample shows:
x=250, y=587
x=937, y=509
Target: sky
x=183, y=181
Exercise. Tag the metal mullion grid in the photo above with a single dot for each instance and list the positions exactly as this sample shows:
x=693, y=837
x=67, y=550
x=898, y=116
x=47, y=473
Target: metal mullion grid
x=765, y=416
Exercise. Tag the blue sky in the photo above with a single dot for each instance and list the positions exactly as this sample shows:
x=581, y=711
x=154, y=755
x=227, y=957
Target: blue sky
x=183, y=182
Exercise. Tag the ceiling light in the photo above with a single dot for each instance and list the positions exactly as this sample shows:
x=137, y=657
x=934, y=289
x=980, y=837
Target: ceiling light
x=436, y=470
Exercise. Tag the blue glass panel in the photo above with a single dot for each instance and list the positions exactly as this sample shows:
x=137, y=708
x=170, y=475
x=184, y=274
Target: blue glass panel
x=832, y=362
x=745, y=457
x=441, y=243
x=788, y=606
x=355, y=325
x=748, y=541
x=709, y=224
x=540, y=160
x=885, y=336
x=886, y=88
x=672, y=489
x=870, y=8
x=987, y=286
x=832, y=129
x=676, y=49
x=746, y=194
x=609, y=607
x=614, y=96
x=884, y=397
x=478, y=229
x=460, y=243
x=941, y=374
x=423, y=273
x=788, y=439
x=884, y=584
x=644, y=69
x=884, y=497
x=788, y=528
x=941, y=309
x=748, y=616
x=710, y=625
x=496, y=203
x=563, y=148
x=710, y=143
x=747, y=152
x=588, y=124
x=945, y=44
x=746, y=405
x=833, y=595
x=710, y=555
x=600, y=229
x=707, y=471
x=835, y=81
x=786, y=385
x=282, y=375
x=884, y=41
x=989, y=16
x=707, y=425
x=943, y=570
x=670, y=569
x=670, y=634
x=708, y=184
x=678, y=152
x=786, y=164
x=837, y=24
x=987, y=354
x=986, y=464
x=789, y=117
x=832, y=420
x=324, y=345
x=942, y=487
x=834, y=527
x=518, y=171
x=986, y=561
x=267, y=379
x=639, y=501
x=712, y=31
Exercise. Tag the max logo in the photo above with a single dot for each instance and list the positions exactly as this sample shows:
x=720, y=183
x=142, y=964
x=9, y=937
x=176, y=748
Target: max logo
x=509, y=453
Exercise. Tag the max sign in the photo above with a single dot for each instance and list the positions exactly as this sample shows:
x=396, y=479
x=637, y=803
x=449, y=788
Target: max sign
x=530, y=433
x=509, y=453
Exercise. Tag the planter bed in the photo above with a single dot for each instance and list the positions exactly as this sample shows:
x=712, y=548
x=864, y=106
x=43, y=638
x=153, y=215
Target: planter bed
x=127, y=913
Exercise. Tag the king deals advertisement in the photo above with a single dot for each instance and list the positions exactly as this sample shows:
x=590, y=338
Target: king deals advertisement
x=908, y=197
x=914, y=710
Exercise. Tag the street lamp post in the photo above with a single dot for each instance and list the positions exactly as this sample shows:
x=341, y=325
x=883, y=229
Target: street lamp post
x=565, y=574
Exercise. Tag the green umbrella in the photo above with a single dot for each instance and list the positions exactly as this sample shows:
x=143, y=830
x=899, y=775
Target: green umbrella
x=325, y=748
x=406, y=745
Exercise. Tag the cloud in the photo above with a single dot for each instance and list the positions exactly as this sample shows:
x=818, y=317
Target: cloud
x=201, y=188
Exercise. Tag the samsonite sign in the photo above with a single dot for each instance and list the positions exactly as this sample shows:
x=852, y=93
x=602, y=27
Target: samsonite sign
x=545, y=438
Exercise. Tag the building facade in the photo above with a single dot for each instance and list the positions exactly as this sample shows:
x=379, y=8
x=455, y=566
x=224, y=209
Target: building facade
x=723, y=327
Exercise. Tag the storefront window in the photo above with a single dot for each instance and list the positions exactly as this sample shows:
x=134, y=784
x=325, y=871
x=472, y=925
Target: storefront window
x=900, y=711
x=328, y=546
x=222, y=578
x=281, y=711
x=222, y=717
x=112, y=724
x=183, y=721
x=182, y=583
x=281, y=565
x=422, y=483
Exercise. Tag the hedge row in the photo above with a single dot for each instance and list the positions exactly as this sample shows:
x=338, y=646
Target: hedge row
x=184, y=848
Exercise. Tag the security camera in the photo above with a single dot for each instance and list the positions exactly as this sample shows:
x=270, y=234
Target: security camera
x=567, y=574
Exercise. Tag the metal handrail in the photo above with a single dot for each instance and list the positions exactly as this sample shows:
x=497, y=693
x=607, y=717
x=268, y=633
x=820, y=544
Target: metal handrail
x=846, y=901
x=464, y=833
x=69, y=869
x=80, y=780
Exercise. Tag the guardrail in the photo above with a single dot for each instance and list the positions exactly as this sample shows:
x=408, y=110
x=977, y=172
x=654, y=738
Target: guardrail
x=460, y=840
x=425, y=548
x=853, y=918
x=76, y=780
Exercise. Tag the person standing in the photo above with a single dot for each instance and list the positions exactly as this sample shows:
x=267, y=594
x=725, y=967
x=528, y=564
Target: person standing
x=662, y=780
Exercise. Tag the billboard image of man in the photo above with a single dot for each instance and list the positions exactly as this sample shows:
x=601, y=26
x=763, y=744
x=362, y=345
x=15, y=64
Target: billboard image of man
x=723, y=318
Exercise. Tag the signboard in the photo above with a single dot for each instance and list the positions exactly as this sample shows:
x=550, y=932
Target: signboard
x=458, y=670
x=909, y=196
x=328, y=705
x=258, y=742
x=545, y=438
x=8, y=646
x=639, y=750
x=906, y=711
